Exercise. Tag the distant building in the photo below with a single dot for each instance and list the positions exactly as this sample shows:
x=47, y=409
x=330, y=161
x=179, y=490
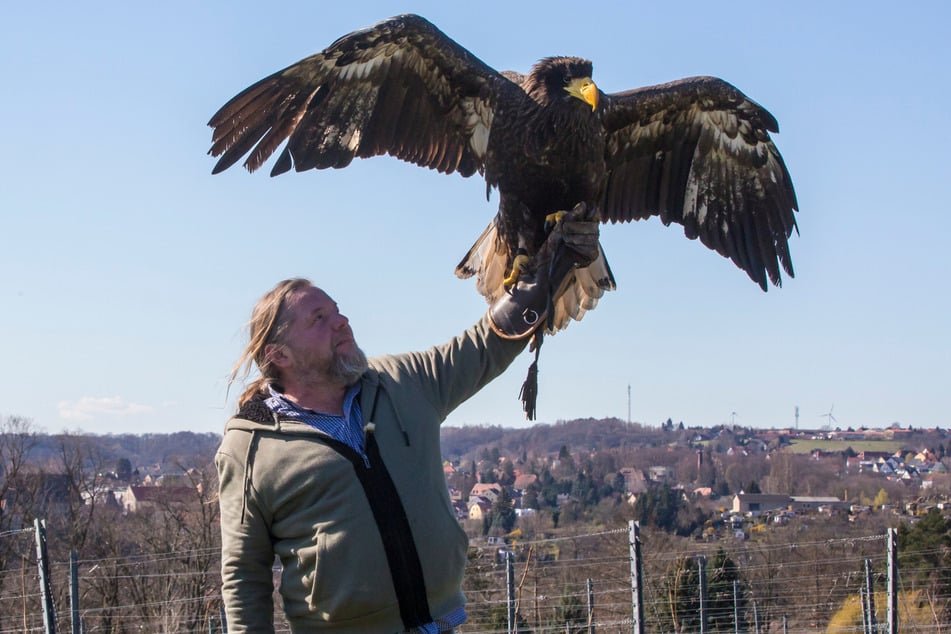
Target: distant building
x=478, y=508
x=807, y=503
x=138, y=498
x=490, y=492
x=634, y=480
x=661, y=474
x=757, y=503
x=524, y=480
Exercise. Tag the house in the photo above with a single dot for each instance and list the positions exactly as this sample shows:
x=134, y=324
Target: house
x=479, y=508
x=634, y=480
x=490, y=492
x=139, y=498
x=756, y=503
x=806, y=503
x=524, y=480
x=659, y=473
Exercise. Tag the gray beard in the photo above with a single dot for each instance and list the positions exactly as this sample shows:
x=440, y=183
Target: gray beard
x=349, y=368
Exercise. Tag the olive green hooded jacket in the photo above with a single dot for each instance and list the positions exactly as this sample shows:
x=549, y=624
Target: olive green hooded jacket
x=366, y=544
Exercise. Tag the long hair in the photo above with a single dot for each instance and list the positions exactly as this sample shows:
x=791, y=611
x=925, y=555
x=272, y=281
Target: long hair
x=270, y=319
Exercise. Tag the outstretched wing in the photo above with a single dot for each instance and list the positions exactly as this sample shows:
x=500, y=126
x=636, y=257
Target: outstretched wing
x=698, y=152
x=400, y=87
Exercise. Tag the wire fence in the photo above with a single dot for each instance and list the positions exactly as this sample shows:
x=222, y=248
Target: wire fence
x=578, y=583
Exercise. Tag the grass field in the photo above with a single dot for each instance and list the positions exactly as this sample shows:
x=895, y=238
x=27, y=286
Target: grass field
x=803, y=445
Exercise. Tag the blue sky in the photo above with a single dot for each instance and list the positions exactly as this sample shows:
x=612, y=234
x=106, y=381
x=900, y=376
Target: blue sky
x=127, y=272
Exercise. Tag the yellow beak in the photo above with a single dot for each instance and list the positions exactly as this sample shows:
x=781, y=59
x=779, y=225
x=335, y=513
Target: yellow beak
x=585, y=90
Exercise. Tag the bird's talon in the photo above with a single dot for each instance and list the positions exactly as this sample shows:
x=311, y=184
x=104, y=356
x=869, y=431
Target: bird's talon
x=553, y=219
x=519, y=263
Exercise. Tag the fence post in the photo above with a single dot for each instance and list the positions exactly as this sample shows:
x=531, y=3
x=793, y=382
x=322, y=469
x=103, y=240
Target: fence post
x=863, y=601
x=892, y=581
x=702, y=578
x=42, y=562
x=74, y=592
x=590, y=606
x=736, y=607
x=870, y=596
x=510, y=589
x=637, y=592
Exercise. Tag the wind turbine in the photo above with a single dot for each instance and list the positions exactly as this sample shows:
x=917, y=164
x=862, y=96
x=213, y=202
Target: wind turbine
x=829, y=417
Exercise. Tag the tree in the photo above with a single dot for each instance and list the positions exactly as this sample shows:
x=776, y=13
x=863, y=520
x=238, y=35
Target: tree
x=881, y=498
x=681, y=598
x=508, y=473
x=17, y=438
x=569, y=612
x=722, y=573
x=658, y=507
x=924, y=554
x=159, y=567
x=566, y=468
x=503, y=512
x=124, y=469
x=530, y=497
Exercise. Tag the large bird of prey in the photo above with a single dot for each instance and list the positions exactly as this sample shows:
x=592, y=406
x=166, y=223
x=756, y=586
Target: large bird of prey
x=696, y=151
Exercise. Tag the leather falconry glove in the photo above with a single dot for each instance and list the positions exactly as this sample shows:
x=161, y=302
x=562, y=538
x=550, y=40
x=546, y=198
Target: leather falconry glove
x=572, y=243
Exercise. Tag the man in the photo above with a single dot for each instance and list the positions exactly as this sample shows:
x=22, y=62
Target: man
x=333, y=463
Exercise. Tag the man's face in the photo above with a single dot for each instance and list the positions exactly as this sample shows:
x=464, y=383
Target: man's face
x=320, y=341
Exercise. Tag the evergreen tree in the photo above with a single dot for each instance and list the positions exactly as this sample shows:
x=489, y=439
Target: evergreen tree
x=508, y=473
x=530, y=497
x=721, y=573
x=124, y=469
x=570, y=612
x=503, y=513
x=924, y=553
x=618, y=485
x=681, y=597
x=658, y=507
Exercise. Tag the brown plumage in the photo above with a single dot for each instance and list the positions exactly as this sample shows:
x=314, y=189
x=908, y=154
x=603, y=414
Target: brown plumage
x=696, y=151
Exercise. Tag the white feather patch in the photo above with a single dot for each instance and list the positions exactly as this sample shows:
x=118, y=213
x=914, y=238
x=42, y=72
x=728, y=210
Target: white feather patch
x=479, y=124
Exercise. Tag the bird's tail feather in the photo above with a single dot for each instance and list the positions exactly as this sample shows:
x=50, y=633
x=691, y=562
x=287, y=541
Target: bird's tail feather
x=580, y=292
x=488, y=261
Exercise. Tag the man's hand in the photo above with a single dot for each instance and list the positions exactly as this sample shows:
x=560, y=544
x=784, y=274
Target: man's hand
x=578, y=231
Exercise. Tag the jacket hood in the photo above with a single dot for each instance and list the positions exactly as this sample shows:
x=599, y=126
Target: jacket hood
x=255, y=415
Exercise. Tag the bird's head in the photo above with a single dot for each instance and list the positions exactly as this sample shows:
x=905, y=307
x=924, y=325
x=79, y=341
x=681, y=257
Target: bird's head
x=558, y=75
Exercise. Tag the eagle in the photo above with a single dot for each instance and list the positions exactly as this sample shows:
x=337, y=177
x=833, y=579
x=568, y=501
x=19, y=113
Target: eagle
x=696, y=152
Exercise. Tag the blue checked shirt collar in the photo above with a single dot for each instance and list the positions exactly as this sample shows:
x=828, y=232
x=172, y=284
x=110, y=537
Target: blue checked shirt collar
x=347, y=429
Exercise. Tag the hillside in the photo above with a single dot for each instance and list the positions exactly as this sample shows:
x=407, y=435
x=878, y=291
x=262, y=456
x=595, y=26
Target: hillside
x=542, y=439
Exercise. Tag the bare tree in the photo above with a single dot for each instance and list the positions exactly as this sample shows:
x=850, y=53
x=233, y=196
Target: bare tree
x=17, y=439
